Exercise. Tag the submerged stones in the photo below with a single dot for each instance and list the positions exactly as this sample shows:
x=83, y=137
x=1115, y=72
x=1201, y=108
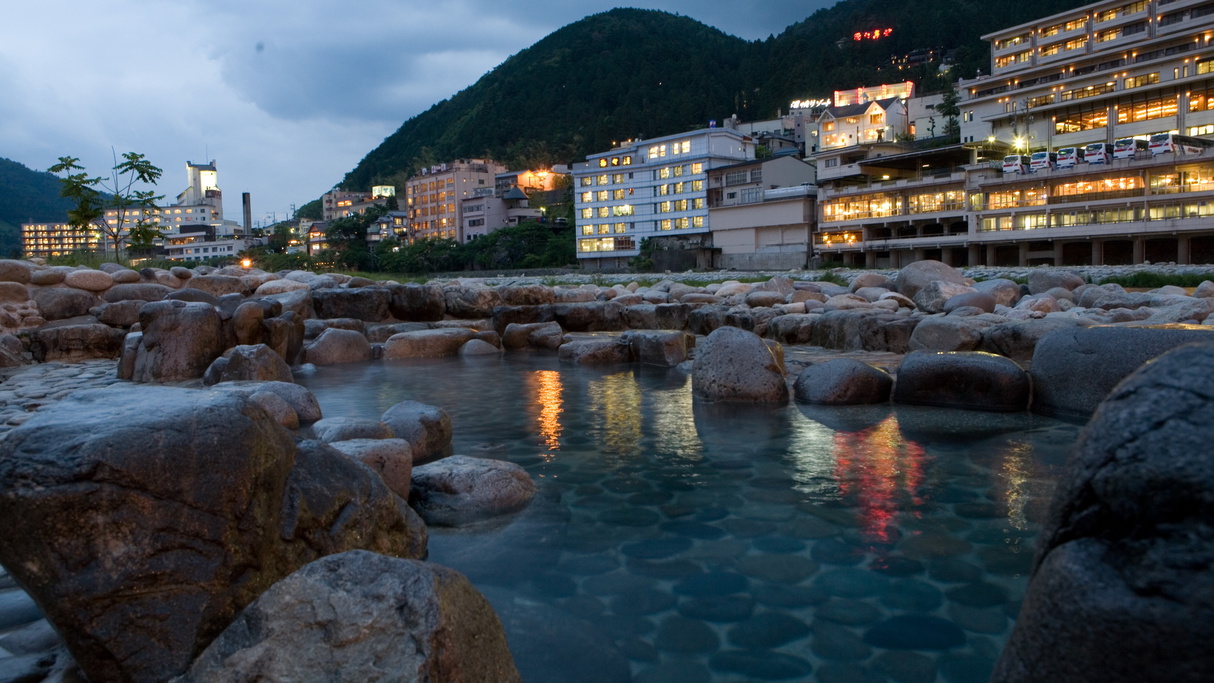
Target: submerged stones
x=459, y=490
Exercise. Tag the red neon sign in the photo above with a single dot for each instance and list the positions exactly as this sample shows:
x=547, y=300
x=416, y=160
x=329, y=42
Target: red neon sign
x=874, y=34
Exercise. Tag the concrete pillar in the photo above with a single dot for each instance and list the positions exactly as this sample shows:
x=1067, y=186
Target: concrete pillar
x=1097, y=253
x=1024, y=254
x=1183, y=257
x=870, y=259
x=990, y=255
x=975, y=256
x=1058, y=258
x=919, y=254
x=1140, y=250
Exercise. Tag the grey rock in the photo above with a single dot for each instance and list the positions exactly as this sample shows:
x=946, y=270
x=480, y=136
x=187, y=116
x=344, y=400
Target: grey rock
x=256, y=362
x=1017, y=339
x=1121, y=582
x=843, y=381
x=332, y=429
x=932, y=297
x=596, y=351
x=141, y=291
x=526, y=295
x=427, y=343
x=391, y=459
x=760, y=297
x=1044, y=279
x=532, y=335
x=314, y=326
x=951, y=333
x=1073, y=370
x=358, y=616
x=57, y=303
x=1005, y=292
x=369, y=304
x=919, y=274
x=659, y=347
x=735, y=365
x=867, y=280
x=416, y=302
x=426, y=427
x=795, y=328
x=590, y=316
x=976, y=299
x=336, y=345
x=121, y=314
x=218, y=285
x=459, y=490
x=970, y=381
x=470, y=302
x=478, y=347
x=75, y=342
x=164, y=470
x=180, y=339
x=301, y=400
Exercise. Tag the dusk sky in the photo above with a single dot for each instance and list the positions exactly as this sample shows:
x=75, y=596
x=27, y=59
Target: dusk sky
x=285, y=96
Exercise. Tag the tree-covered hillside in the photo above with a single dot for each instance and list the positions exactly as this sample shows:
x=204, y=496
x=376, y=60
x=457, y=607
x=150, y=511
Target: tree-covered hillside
x=26, y=196
x=629, y=73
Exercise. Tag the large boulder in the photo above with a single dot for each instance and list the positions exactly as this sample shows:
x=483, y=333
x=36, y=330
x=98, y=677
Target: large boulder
x=391, y=459
x=249, y=362
x=369, y=304
x=416, y=302
x=143, y=519
x=934, y=296
x=426, y=427
x=285, y=334
x=12, y=270
x=920, y=274
x=843, y=382
x=736, y=365
x=332, y=429
x=1042, y=280
x=470, y=302
x=336, y=345
x=526, y=295
x=970, y=381
x=1004, y=291
x=666, y=348
x=88, y=280
x=359, y=616
x=547, y=335
x=1121, y=587
x=58, y=303
x=75, y=342
x=864, y=331
x=794, y=328
x=218, y=285
x=460, y=490
x=301, y=400
x=141, y=291
x=180, y=340
x=428, y=343
x=596, y=351
x=1017, y=339
x=951, y=332
x=589, y=316
x=1074, y=369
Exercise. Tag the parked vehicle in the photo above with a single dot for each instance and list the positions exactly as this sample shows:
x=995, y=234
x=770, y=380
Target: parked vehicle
x=1043, y=161
x=1128, y=148
x=1098, y=153
x=1016, y=163
x=1069, y=157
x=1177, y=144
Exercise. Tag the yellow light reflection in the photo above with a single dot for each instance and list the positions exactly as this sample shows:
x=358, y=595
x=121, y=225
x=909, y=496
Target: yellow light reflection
x=674, y=427
x=616, y=401
x=548, y=391
x=1017, y=465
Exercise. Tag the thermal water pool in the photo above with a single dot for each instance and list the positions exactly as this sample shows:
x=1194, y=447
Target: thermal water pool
x=673, y=540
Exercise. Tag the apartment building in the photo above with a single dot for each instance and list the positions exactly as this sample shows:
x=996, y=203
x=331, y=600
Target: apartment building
x=1093, y=75
x=336, y=204
x=649, y=188
x=761, y=213
x=483, y=214
x=434, y=197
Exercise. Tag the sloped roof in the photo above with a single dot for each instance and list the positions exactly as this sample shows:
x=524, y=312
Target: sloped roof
x=857, y=109
x=514, y=193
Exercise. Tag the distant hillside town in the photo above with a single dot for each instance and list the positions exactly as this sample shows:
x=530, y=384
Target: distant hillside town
x=1087, y=142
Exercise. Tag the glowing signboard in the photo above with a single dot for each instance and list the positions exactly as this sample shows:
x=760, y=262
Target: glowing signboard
x=875, y=34
x=809, y=104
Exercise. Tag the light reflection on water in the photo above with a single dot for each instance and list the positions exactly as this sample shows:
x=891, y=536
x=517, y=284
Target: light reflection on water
x=658, y=514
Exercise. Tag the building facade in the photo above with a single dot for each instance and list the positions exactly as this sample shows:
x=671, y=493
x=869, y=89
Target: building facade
x=1094, y=75
x=649, y=188
x=434, y=197
x=761, y=214
x=197, y=215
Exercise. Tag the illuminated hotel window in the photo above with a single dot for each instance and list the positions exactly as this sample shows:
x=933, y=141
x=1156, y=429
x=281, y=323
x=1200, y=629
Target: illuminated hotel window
x=697, y=168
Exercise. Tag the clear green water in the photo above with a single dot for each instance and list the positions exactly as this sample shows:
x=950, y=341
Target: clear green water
x=677, y=541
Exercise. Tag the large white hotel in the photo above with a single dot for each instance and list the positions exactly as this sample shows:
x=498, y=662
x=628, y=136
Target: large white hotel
x=1096, y=74
x=648, y=188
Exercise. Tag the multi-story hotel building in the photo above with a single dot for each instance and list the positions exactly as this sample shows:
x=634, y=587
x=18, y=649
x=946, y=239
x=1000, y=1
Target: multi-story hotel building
x=648, y=188
x=434, y=197
x=196, y=216
x=1093, y=75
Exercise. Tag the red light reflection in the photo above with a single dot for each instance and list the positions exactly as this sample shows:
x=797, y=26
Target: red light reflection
x=879, y=471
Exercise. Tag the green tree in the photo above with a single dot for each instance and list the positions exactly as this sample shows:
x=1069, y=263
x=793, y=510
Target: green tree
x=950, y=108
x=311, y=210
x=141, y=240
x=280, y=238
x=95, y=196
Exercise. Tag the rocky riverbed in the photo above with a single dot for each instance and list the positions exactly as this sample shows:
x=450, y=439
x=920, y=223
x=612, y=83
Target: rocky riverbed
x=101, y=411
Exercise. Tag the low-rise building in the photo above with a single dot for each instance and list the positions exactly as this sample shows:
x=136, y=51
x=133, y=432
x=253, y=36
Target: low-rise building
x=485, y=213
x=761, y=214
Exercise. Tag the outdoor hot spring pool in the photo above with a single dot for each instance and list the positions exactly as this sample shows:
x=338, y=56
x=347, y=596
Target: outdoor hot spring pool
x=673, y=540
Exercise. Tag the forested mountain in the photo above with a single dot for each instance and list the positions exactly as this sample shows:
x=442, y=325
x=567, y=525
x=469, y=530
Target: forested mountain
x=629, y=73
x=26, y=196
